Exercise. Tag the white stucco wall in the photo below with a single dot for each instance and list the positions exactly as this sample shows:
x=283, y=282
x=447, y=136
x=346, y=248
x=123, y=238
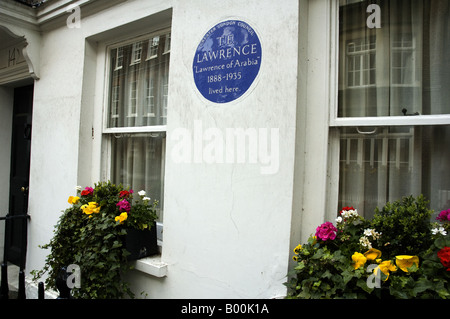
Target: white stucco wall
x=56, y=122
x=227, y=226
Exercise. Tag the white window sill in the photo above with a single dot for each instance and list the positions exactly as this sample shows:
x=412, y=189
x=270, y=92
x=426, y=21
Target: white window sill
x=151, y=265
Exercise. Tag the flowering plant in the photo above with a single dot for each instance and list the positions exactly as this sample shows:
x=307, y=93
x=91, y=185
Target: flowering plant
x=361, y=258
x=90, y=234
x=117, y=202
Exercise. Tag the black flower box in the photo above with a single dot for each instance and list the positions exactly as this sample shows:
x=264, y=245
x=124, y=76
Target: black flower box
x=141, y=243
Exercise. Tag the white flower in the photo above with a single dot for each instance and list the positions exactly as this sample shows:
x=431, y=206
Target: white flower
x=368, y=232
x=339, y=219
x=364, y=241
x=78, y=188
x=142, y=193
x=372, y=233
x=146, y=198
x=349, y=213
x=440, y=230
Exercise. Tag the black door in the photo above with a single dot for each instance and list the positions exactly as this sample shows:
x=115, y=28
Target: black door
x=16, y=232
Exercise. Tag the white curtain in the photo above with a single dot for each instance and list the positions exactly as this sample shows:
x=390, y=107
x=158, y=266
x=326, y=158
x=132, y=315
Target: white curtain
x=138, y=162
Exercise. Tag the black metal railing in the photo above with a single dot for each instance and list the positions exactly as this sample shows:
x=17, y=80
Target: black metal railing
x=4, y=287
x=61, y=281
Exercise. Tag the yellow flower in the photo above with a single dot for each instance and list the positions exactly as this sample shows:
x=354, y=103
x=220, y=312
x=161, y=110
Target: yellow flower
x=73, y=199
x=385, y=267
x=405, y=261
x=122, y=217
x=372, y=254
x=91, y=207
x=297, y=249
x=358, y=260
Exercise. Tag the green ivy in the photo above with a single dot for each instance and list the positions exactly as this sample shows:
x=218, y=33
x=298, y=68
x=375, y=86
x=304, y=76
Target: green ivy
x=95, y=243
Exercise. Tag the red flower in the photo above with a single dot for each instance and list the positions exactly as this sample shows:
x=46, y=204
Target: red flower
x=444, y=256
x=87, y=191
x=125, y=194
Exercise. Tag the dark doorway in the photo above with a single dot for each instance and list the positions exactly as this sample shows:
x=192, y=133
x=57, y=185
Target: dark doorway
x=16, y=226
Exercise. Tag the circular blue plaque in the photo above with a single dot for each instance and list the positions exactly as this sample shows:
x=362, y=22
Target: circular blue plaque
x=227, y=61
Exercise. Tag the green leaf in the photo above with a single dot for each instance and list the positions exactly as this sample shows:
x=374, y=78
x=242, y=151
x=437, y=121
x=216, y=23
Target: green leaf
x=421, y=285
x=300, y=266
x=439, y=242
x=347, y=276
x=108, y=236
x=326, y=274
x=116, y=244
x=413, y=268
x=318, y=254
x=361, y=283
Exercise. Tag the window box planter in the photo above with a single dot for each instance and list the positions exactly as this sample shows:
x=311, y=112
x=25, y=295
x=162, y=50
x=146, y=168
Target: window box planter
x=141, y=243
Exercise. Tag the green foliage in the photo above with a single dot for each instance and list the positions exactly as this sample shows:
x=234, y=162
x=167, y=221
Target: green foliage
x=406, y=224
x=324, y=273
x=326, y=269
x=94, y=241
x=429, y=281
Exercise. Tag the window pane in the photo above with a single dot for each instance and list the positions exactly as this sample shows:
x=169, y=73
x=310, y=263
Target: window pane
x=404, y=64
x=394, y=162
x=139, y=81
x=138, y=162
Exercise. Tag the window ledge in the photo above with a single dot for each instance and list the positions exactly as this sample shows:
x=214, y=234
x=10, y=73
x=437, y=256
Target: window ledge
x=151, y=265
x=443, y=119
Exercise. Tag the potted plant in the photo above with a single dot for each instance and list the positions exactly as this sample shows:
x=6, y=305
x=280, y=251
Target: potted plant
x=94, y=234
x=400, y=253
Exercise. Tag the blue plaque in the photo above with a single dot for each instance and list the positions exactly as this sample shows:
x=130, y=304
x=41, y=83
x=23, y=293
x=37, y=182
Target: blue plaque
x=227, y=61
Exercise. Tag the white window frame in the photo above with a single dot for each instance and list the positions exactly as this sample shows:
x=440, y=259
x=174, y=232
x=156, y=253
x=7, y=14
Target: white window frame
x=108, y=133
x=136, y=52
x=364, y=124
x=119, y=59
x=360, y=55
x=150, y=98
x=130, y=129
x=168, y=42
x=153, y=45
x=133, y=95
x=402, y=49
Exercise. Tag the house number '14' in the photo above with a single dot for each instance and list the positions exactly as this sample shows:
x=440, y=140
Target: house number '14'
x=13, y=56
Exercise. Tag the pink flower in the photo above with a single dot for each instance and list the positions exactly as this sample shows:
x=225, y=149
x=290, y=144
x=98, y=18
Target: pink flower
x=326, y=231
x=444, y=215
x=124, y=205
